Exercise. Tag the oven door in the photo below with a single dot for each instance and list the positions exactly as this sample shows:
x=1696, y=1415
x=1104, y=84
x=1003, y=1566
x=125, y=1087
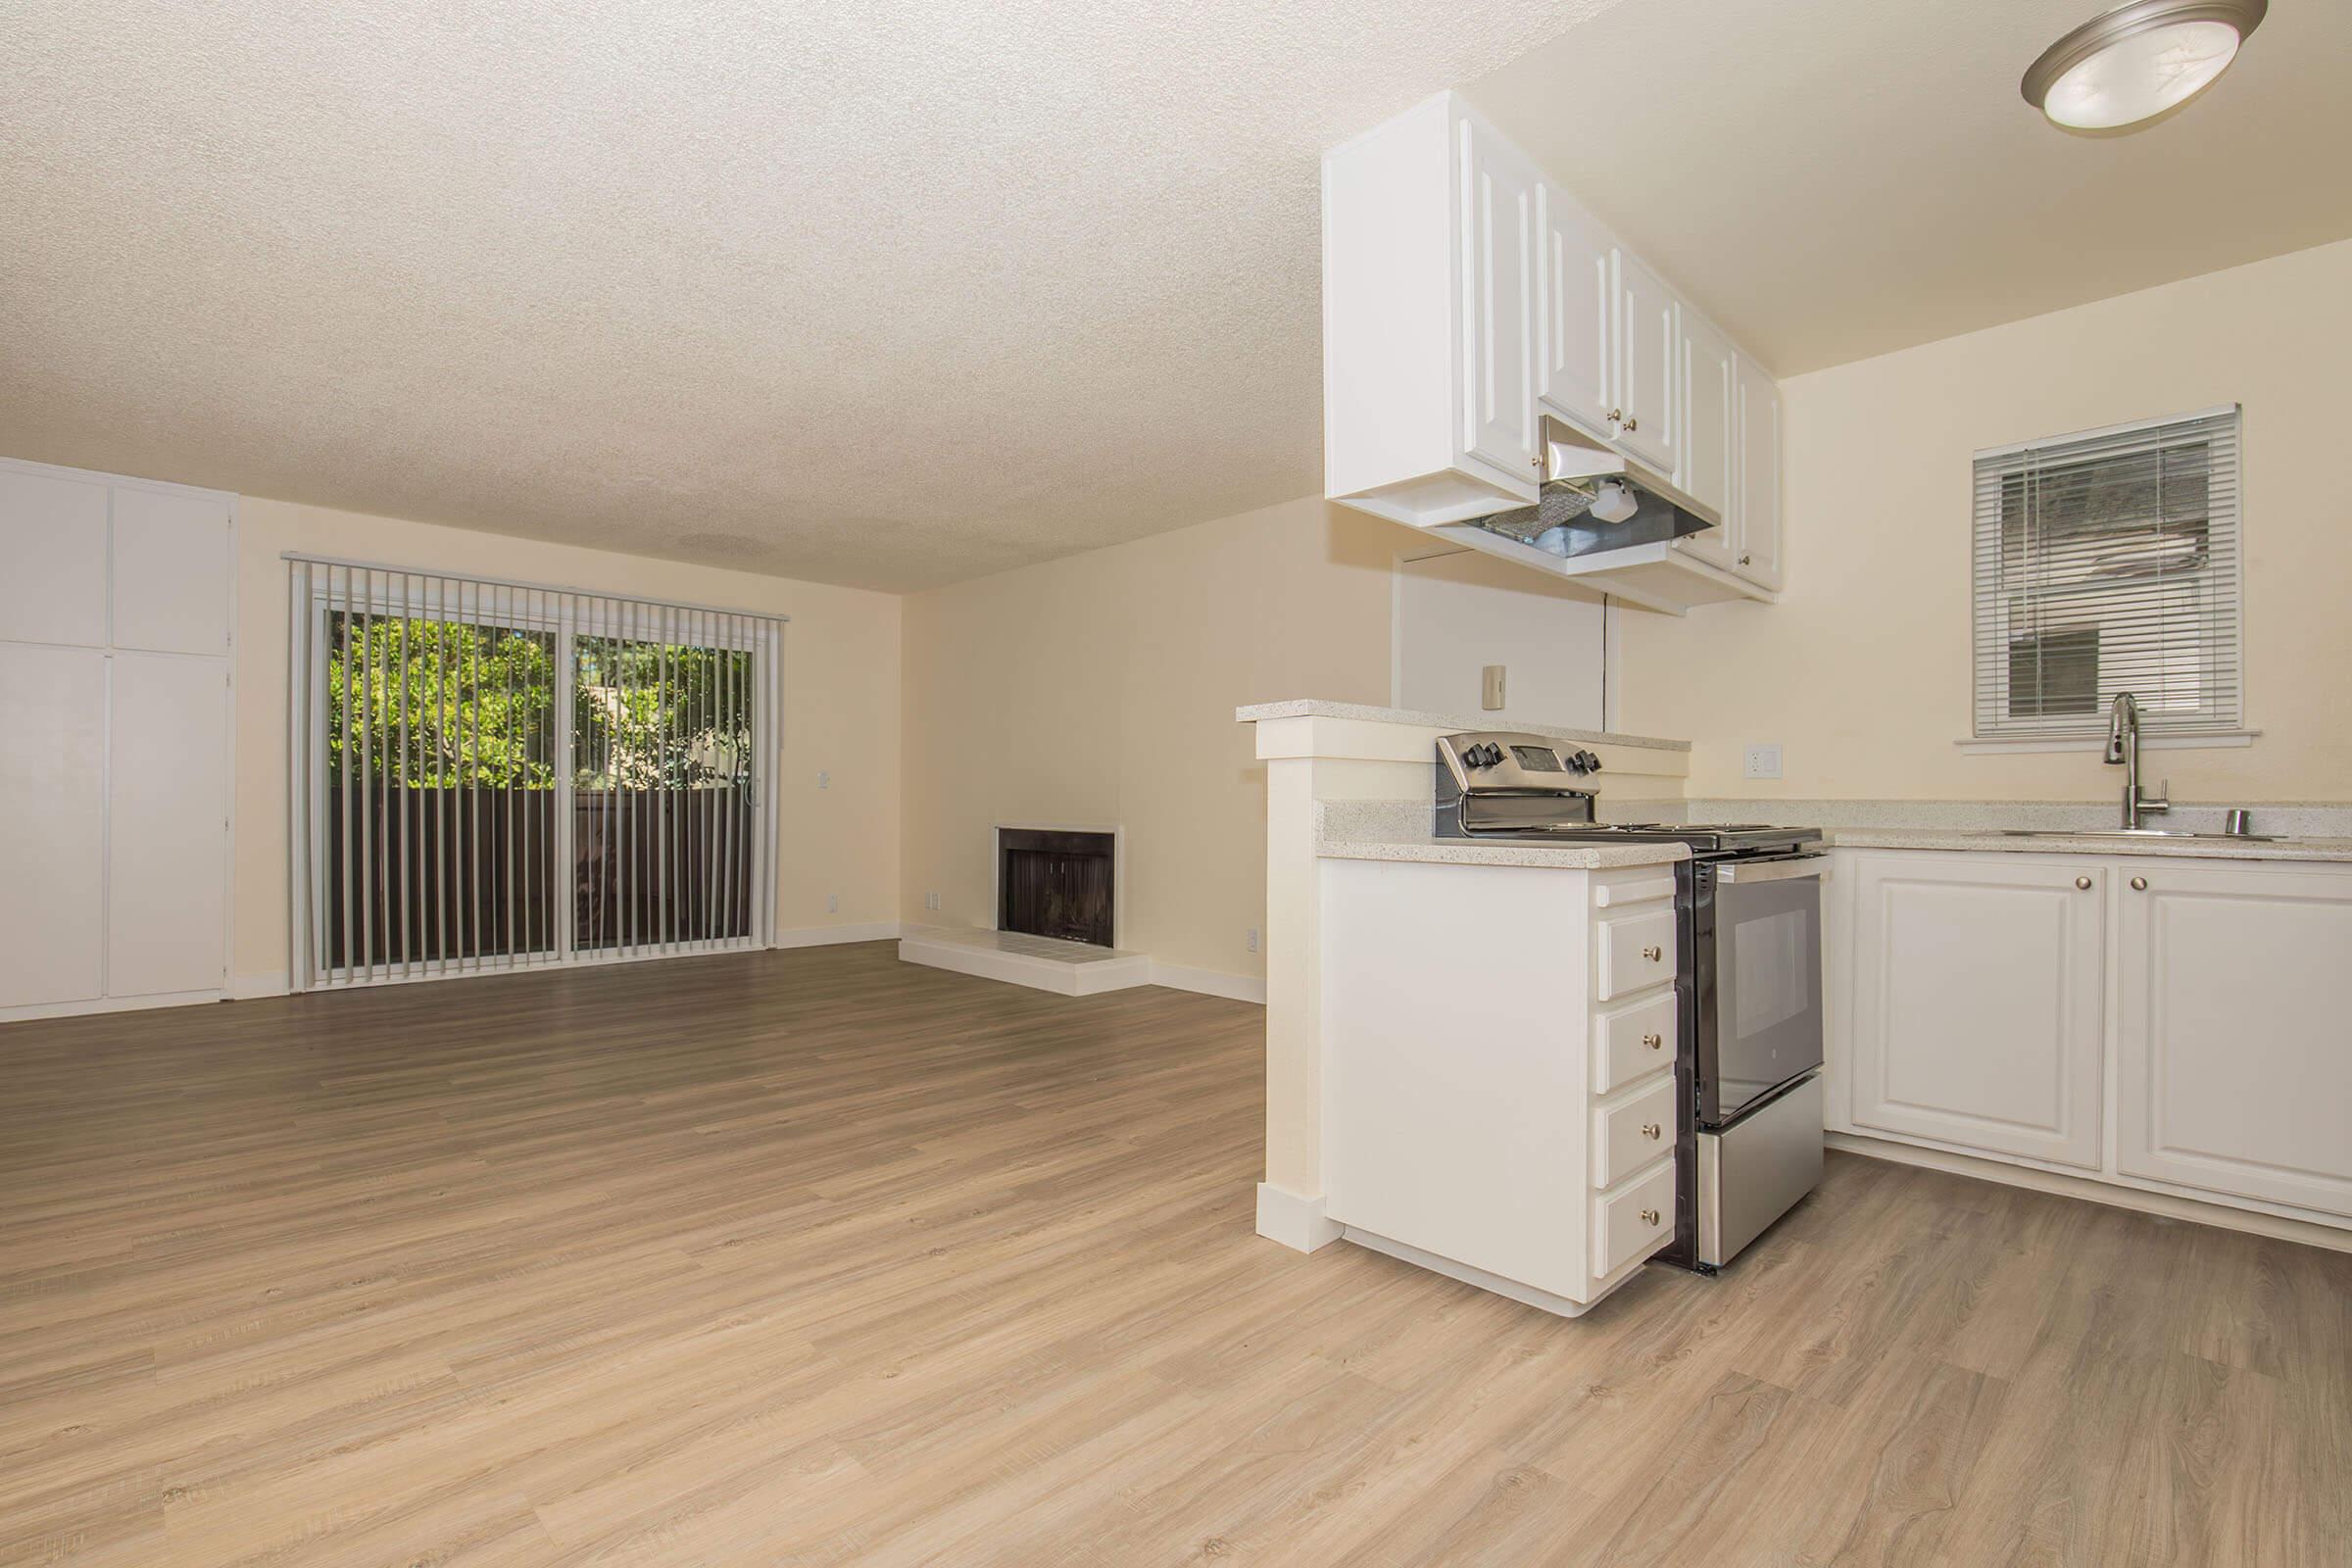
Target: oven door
x=1759, y=980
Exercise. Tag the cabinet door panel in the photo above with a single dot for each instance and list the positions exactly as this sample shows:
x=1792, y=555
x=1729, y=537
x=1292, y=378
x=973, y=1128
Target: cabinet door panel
x=1498, y=253
x=1649, y=342
x=52, y=823
x=172, y=562
x=1978, y=1011
x=169, y=794
x=53, y=540
x=1572, y=357
x=1758, y=475
x=1707, y=381
x=2233, y=1066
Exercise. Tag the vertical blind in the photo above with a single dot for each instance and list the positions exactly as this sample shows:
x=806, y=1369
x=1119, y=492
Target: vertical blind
x=489, y=775
x=2107, y=562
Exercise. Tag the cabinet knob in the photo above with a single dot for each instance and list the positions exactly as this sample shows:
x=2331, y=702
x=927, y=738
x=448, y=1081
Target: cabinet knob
x=1747, y=559
x=1633, y=424
x=1653, y=954
x=2084, y=883
x=1616, y=416
x=1649, y=1216
x=1649, y=1129
x=1654, y=1042
x=2140, y=884
x=1537, y=460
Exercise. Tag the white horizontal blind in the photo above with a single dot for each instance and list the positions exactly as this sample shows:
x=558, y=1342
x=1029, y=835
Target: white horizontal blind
x=2107, y=562
x=491, y=776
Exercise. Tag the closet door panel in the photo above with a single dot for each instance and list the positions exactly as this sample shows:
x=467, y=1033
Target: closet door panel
x=53, y=541
x=171, y=564
x=168, y=799
x=52, y=823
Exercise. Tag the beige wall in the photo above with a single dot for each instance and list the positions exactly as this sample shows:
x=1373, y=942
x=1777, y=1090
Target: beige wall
x=841, y=705
x=1862, y=671
x=1098, y=690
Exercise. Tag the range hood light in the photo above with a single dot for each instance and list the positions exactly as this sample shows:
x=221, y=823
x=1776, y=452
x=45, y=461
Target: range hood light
x=1614, y=502
x=2136, y=61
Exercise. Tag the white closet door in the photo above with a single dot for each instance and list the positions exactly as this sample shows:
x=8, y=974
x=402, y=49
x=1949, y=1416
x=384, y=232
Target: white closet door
x=171, y=564
x=52, y=822
x=53, y=543
x=168, y=918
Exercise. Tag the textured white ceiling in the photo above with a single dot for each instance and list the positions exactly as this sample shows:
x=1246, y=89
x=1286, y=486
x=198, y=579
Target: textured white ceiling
x=898, y=294
x=878, y=294
x=1837, y=179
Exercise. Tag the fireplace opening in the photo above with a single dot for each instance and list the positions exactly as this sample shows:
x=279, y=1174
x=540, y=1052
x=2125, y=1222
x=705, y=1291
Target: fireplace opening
x=1054, y=883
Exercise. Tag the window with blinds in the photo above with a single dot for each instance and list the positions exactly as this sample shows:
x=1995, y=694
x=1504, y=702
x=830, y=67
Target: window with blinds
x=2107, y=562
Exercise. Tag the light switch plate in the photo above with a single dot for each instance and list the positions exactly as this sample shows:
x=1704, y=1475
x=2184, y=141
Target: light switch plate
x=1489, y=687
x=1763, y=760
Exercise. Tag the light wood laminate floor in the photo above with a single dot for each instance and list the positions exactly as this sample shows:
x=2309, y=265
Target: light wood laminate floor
x=816, y=1257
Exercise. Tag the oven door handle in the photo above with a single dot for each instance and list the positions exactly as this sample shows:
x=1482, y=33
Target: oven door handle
x=1739, y=873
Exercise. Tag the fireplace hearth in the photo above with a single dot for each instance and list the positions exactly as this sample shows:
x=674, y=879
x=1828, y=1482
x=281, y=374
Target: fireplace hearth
x=1055, y=882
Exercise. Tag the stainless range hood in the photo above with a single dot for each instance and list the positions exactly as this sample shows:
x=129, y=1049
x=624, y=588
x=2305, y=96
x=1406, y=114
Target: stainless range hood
x=1634, y=559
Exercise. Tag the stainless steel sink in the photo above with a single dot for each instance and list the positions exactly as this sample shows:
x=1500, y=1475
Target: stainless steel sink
x=2135, y=833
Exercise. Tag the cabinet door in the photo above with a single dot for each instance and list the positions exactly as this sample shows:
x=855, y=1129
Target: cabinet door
x=1648, y=343
x=170, y=578
x=1499, y=288
x=1572, y=315
x=1978, y=1001
x=53, y=541
x=1707, y=380
x=1757, y=473
x=52, y=823
x=168, y=826
x=2233, y=1041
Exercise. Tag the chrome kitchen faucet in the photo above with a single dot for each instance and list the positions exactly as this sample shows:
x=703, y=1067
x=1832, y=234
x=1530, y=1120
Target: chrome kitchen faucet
x=2122, y=746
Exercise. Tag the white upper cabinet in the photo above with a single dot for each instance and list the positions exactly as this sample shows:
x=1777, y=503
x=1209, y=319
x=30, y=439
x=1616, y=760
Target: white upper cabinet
x=1498, y=187
x=1708, y=373
x=1648, y=343
x=1757, y=496
x=1575, y=309
x=1481, y=334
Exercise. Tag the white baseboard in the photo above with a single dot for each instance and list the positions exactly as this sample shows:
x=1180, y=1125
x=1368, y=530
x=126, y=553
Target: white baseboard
x=825, y=936
x=1296, y=1222
x=2220, y=1215
x=80, y=1009
x=1210, y=981
x=246, y=987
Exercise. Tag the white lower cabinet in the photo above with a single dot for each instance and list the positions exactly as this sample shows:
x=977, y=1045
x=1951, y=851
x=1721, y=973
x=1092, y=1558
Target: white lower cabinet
x=2233, y=1066
x=1991, y=1001
x=1976, y=1001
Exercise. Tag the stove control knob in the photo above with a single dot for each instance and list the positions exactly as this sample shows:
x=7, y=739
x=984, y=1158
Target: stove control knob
x=1587, y=762
x=1483, y=756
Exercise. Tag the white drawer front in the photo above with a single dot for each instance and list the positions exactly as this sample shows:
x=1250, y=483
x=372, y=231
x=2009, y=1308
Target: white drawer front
x=1632, y=1040
x=1635, y=1221
x=1631, y=1134
x=1636, y=951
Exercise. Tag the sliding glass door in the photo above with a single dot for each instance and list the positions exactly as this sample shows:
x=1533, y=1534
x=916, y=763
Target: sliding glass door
x=491, y=776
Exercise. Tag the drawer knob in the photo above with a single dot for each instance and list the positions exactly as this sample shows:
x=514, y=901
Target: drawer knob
x=1649, y=1129
x=2140, y=884
x=1649, y=1216
x=2084, y=883
x=1653, y=954
x=1654, y=1042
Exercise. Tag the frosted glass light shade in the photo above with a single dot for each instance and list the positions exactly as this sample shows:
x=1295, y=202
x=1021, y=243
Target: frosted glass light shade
x=2138, y=60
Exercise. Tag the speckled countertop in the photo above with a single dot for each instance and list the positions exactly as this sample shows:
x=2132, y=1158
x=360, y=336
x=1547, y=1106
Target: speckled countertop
x=2208, y=848
x=1398, y=830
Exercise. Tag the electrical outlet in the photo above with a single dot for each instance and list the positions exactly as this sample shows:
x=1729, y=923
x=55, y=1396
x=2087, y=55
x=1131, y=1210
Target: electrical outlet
x=1763, y=760
x=931, y=901
x=1253, y=939
x=824, y=780
x=832, y=903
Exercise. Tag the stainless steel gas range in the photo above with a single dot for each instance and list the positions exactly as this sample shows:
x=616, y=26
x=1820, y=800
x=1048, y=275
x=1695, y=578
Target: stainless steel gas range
x=1747, y=906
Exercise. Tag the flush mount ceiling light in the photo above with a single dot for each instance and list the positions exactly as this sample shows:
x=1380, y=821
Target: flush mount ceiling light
x=2138, y=60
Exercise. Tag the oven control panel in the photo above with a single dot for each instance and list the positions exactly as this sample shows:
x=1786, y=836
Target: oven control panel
x=1493, y=761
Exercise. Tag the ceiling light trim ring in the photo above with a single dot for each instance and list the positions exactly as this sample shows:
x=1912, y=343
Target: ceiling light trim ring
x=2111, y=27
